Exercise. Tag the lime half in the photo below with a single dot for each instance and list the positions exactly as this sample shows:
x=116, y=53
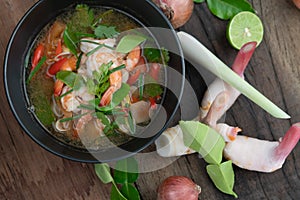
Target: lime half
x=244, y=27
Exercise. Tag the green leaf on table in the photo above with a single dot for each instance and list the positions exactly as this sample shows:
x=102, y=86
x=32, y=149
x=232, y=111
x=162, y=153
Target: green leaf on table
x=103, y=31
x=199, y=1
x=226, y=9
x=129, y=42
x=203, y=139
x=130, y=192
x=115, y=193
x=103, y=172
x=126, y=171
x=222, y=176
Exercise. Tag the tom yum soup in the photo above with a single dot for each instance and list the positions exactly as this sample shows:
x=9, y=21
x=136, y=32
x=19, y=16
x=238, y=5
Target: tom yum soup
x=91, y=84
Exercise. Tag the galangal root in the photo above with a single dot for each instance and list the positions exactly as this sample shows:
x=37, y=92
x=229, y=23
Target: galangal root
x=262, y=155
x=245, y=152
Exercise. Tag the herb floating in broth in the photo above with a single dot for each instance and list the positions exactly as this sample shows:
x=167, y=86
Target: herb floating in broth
x=98, y=79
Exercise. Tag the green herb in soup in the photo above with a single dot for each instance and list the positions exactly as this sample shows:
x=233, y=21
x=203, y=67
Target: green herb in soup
x=91, y=85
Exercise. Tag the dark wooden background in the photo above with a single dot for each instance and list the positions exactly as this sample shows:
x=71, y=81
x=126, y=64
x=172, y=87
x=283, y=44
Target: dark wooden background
x=29, y=172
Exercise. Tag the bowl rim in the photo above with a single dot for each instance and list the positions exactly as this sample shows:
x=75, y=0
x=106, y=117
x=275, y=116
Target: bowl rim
x=89, y=159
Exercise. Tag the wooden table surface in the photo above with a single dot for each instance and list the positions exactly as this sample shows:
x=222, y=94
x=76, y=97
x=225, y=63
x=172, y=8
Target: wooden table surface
x=29, y=172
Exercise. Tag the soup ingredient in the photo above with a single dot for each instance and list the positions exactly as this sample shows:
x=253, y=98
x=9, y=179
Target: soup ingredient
x=178, y=187
x=58, y=86
x=177, y=11
x=262, y=155
x=82, y=19
x=243, y=28
x=37, y=55
x=129, y=42
x=227, y=9
x=53, y=69
x=125, y=173
x=297, y=3
x=217, y=86
x=170, y=143
x=216, y=111
x=213, y=64
x=103, y=31
x=204, y=140
x=36, y=69
x=223, y=177
x=214, y=104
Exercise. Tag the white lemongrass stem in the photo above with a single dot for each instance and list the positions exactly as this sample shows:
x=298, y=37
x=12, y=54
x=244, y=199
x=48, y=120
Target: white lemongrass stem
x=195, y=52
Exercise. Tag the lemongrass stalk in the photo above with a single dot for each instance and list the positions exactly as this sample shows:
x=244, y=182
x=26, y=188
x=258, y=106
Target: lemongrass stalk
x=195, y=52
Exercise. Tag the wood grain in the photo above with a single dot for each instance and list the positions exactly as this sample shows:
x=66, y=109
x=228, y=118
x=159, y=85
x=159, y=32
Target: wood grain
x=29, y=172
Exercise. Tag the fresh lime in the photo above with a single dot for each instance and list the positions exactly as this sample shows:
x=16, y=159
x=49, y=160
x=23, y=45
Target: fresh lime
x=244, y=27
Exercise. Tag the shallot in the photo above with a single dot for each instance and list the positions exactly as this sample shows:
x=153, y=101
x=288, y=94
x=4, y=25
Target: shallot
x=297, y=3
x=177, y=11
x=177, y=188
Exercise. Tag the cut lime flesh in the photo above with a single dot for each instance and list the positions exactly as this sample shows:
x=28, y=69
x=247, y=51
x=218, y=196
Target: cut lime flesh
x=243, y=28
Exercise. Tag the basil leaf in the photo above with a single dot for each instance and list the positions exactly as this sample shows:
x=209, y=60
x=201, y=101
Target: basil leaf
x=223, y=177
x=103, y=172
x=199, y=1
x=119, y=95
x=105, y=31
x=129, y=42
x=126, y=171
x=70, y=78
x=70, y=40
x=226, y=9
x=203, y=139
x=67, y=77
x=103, y=118
x=130, y=192
x=115, y=193
x=154, y=55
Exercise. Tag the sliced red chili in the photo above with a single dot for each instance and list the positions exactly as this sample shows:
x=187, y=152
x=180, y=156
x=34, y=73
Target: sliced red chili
x=53, y=69
x=37, y=55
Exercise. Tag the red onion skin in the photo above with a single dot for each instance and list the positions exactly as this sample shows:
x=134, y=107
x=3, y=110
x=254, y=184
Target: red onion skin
x=178, y=188
x=297, y=3
x=177, y=11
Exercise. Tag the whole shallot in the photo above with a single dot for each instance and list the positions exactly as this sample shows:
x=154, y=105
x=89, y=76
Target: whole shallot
x=177, y=11
x=297, y=3
x=178, y=187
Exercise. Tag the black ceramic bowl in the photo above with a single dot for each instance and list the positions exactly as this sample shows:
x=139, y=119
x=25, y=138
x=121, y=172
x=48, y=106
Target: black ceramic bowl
x=21, y=43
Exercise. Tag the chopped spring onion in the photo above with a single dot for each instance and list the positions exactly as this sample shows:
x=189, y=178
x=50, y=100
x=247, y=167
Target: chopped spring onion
x=79, y=60
x=116, y=69
x=141, y=86
x=36, y=69
x=74, y=117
